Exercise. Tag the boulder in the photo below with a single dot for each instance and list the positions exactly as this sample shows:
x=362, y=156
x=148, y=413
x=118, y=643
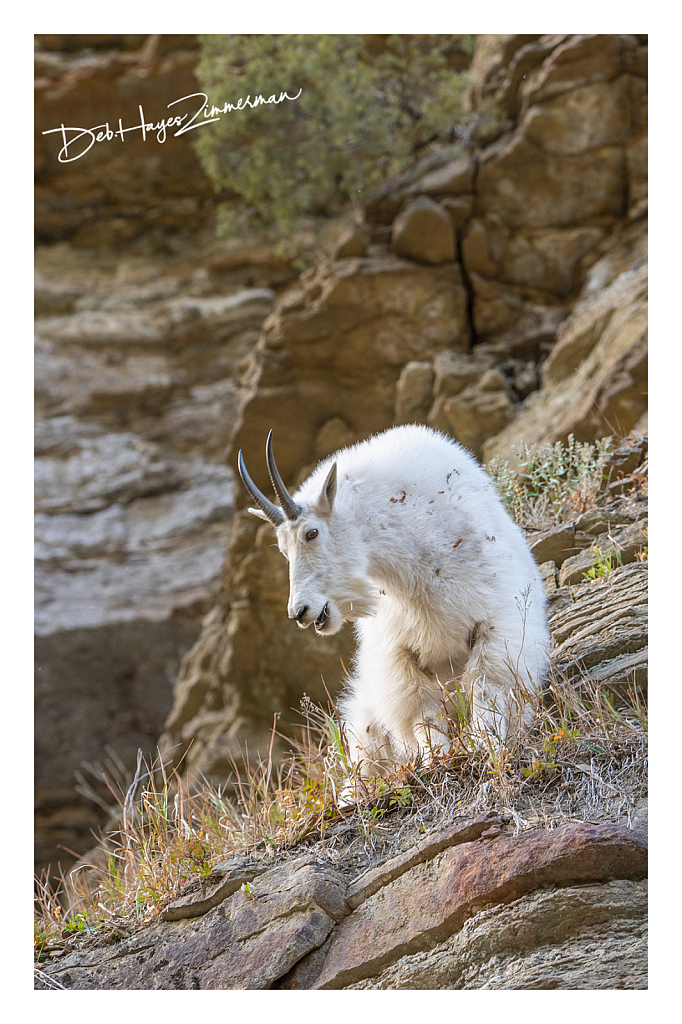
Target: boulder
x=414, y=392
x=600, y=630
x=589, y=937
x=247, y=941
x=423, y=232
x=354, y=241
x=481, y=411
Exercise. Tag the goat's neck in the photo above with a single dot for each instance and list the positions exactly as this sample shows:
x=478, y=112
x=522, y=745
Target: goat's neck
x=398, y=572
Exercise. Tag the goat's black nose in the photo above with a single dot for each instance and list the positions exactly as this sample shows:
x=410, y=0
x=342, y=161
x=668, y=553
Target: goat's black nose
x=298, y=617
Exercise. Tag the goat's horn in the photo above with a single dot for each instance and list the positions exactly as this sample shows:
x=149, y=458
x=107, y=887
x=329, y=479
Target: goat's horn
x=274, y=514
x=291, y=510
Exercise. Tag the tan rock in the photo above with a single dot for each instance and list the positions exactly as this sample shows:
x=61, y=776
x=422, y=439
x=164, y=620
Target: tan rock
x=414, y=392
x=476, y=250
x=332, y=435
x=423, y=232
x=353, y=242
x=555, y=545
x=548, y=575
x=577, y=61
x=511, y=317
x=341, y=354
x=622, y=546
x=455, y=178
x=529, y=188
x=454, y=371
x=459, y=209
x=113, y=194
x=637, y=154
x=552, y=259
x=203, y=894
x=525, y=60
x=492, y=56
x=579, y=334
x=596, y=377
x=476, y=414
x=247, y=941
x=602, y=629
x=586, y=118
x=493, y=380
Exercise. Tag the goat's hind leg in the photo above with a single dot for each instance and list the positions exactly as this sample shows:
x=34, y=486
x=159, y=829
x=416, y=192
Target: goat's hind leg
x=495, y=682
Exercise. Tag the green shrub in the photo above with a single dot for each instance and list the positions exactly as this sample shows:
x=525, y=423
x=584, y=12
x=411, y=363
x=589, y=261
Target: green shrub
x=556, y=480
x=368, y=105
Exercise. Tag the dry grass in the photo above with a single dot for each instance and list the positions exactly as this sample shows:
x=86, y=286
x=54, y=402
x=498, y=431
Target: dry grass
x=584, y=753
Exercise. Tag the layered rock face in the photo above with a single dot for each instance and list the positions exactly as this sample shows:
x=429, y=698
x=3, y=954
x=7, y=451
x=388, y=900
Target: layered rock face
x=498, y=297
x=472, y=905
x=136, y=391
x=143, y=324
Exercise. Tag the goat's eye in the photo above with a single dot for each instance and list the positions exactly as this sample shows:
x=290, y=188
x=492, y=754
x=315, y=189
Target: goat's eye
x=311, y=535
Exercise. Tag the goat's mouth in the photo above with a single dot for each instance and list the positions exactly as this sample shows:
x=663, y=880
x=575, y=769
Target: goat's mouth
x=322, y=619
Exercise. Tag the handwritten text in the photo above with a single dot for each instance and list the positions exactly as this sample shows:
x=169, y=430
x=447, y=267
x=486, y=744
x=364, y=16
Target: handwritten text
x=76, y=142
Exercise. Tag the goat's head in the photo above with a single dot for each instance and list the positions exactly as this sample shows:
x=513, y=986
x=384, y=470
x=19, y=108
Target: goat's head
x=327, y=584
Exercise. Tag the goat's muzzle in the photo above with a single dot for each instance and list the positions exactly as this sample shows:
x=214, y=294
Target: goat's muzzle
x=300, y=614
x=322, y=618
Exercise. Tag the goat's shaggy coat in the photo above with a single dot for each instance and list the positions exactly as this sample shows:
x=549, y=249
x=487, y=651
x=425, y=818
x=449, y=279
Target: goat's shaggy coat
x=405, y=535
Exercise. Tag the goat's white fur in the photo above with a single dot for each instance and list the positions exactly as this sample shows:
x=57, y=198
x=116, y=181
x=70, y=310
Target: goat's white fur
x=414, y=544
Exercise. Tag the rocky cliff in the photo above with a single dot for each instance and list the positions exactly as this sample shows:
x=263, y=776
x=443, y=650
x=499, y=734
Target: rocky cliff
x=143, y=323
x=498, y=295
x=475, y=904
x=515, y=885
x=496, y=290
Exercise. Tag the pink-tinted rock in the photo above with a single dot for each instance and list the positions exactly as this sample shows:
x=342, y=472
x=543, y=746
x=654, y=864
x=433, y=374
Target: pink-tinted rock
x=433, y=900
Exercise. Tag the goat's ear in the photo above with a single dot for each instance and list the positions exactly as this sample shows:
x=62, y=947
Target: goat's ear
x=325, y=501
x=258, y=513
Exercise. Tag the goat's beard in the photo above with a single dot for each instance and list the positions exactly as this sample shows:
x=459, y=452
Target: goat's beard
x=359, y=607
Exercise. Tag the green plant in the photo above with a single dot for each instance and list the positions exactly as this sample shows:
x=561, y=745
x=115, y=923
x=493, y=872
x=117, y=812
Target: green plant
x=365, y=106
x=643, y=555
x=554, y=481
x=605, y=563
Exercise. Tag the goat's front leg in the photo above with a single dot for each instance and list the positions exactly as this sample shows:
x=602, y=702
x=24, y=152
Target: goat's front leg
x=369, y=744
x=396, y=704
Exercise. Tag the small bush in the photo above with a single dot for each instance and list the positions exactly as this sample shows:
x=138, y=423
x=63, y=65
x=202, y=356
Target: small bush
x=557, y=481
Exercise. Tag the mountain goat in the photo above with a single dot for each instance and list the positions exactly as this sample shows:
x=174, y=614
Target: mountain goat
x=405, y=535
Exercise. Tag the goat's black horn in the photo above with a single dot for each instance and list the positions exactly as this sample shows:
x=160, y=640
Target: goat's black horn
x=274, y=514
x=291, y=510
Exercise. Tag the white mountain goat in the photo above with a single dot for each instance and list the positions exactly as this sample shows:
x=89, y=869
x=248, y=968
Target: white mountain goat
x=405, y=535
